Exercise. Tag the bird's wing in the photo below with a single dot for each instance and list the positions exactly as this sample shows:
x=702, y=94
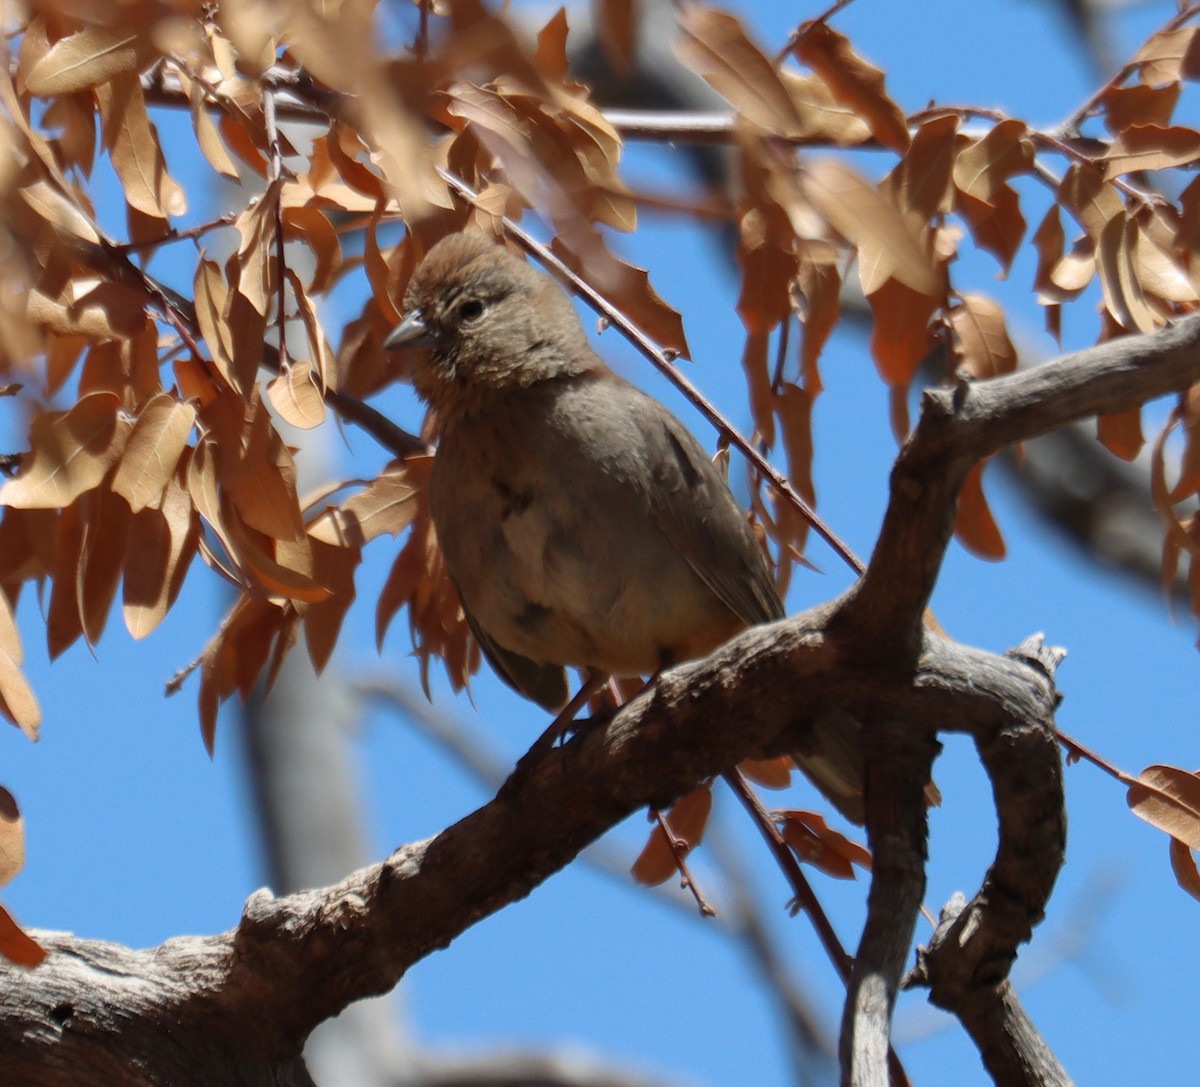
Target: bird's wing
x=695, y=510
x=546, y=684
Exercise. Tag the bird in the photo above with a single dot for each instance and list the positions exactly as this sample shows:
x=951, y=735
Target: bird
x=580, y=521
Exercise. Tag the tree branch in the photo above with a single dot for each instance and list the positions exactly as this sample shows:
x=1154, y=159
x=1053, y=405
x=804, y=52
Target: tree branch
x=961, y=427
x=325, y=949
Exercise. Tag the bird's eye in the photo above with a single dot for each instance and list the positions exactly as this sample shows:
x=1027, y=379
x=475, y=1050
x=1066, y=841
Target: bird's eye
x=470, y=310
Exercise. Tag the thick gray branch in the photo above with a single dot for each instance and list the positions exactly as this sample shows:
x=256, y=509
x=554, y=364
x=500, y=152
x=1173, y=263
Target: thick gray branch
x=1013, y=1051
x=295, y=961
x=961, y=427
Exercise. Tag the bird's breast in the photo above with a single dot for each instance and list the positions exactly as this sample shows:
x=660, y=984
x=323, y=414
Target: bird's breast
x=558, y=559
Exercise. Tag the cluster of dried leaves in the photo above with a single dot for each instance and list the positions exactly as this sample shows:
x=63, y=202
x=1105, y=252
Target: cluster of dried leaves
x=150, y=434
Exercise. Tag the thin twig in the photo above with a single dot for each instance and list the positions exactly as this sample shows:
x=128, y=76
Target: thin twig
x=805, y=28
x=174, y=235
x=1075, y=749
x=802, y=890
x=1071, y=126
x=680, y=848
x=805, y=896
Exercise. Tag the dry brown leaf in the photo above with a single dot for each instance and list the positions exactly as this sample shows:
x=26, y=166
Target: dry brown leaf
x=715, y=46
x=624, y=285
x=888, y=246
x=1156, y=262
x=616, y=24
x=1094, y=201
x=1139, y=105
x=294, y=394
x=161, y=544
x=334, y=567
x=12, y=837
x=815, y=843
x=793, y=407
x=1183, y=864
x=211, y=293
x=10, y=639
x=63, y=353
x=984, y=167
x=997, y=227
x=984, y=198
x=1180, y=537
x=244, y=141
x=133, y=145
x=63, y=625
x=923, y=181
x=1048, y=240
x=72, y=117
x=822, y=117
x=282, y=575
x=900, y=334
x=101, y=558
x=202, y=488
x=983, y=340
x=974, y=525
x=70, y=453
x=769, y=773
x=262, y=484
x=16, y=945
x=853, y=81
x=255, y=256
x=1168, y=798
x=767, y=239
x=105, y=311
x=152, y=452
x=1121, y=434
x=247, y=329
x=687, y=819
x=52, y=205
x=1123, y=294
x=387, y=504
x=1187, y=237
x=312, y=227
x=1074, y=271
x=27, y=542
x=1151, y=147
x=755, y=365
x=346, y=150
x=17, y=701
x=561, y=155
x=418, y=578
x=208, y=138
x=1170, y=55
x=550, y=56
x=87, y=58
x=320, y=358
x=819, y=282
x=1188, y=414
x=768, y=266
x=235, y=657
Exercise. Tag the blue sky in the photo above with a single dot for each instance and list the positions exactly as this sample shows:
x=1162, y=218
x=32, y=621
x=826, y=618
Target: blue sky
x=135, y=835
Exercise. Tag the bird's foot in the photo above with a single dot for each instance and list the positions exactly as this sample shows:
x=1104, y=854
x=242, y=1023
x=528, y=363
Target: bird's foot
x=561, y=729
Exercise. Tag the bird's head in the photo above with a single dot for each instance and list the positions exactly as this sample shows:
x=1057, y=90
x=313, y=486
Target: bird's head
x=480, y=320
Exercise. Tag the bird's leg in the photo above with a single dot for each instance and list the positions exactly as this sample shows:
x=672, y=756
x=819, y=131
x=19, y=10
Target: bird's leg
x=561, y=725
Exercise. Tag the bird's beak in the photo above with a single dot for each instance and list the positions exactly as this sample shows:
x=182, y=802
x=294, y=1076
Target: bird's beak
x=409, y=333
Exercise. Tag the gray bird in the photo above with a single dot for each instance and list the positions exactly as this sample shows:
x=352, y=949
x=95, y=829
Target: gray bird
x=580, y=521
